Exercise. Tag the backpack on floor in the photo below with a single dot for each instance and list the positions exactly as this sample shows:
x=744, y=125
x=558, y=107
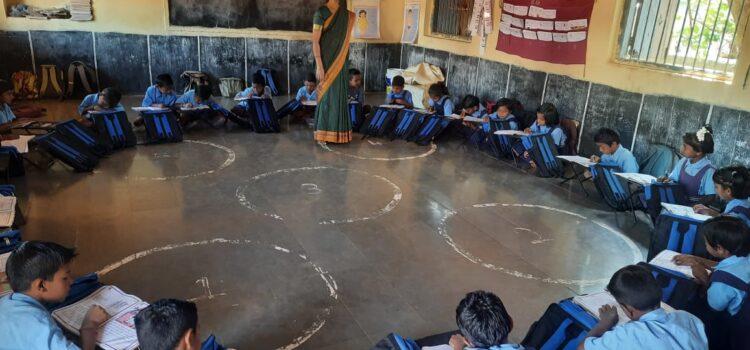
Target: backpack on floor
x=357, y=115
x=380, y=122
x=562, y=327
x=24, y=85
x=161, y=126
x=678, y=290
x=500, y=146
x=407, y=123
x=677, y=233
x=657, y=193
x=9, y=240
x=15, y=161
x=268, y=76
x=263, y=115
x=543, y=151
x=75, y=130
x=613, y=189
x=82, y=287
x=211, y=344
x=51, y=78
x=394, y=341
x=70, y=151
x=115, y=128
x=84, y=74
x=432, y=126
x=289, y=107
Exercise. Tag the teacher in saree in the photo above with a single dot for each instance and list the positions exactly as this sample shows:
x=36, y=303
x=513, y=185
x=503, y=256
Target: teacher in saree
x=332, y=28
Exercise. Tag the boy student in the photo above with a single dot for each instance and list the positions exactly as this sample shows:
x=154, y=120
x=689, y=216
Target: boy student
x=258, y=89
x=355, y=90
x=198, y=97
x=39, y=273
x=160, y=94
x=728, y=239
x=108, y=99
x=168, y=324
x=308, y=92
x=732, y=185
x=6, y=98
x=695, y=171
x=639, y=295
x=613, y=153
x=399, y=96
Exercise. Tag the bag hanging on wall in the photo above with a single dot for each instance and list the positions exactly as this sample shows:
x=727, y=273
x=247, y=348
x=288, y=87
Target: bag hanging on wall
x=85, y=74
x=50, y=79
x=24, y=85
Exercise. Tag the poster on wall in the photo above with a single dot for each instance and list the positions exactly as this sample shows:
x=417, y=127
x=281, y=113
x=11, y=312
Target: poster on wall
x=367, y=19
x=411, y=24
x=554, y=31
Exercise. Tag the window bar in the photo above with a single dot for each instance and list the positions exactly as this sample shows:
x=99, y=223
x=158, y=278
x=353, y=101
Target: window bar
x=663, y=32
x=703, y=29
x=456, y=13
x=645, y=29
x=692, y=31
x=634, y=29
x=723, y=33
x=734, y=36
x=713, y=31
x=682, y=29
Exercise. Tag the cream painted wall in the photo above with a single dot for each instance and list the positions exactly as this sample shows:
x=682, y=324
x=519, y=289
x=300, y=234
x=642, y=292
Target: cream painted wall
x=600, y=66
x=151, y=17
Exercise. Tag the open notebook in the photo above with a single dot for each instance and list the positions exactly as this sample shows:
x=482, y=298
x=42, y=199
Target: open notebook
x=309, y=103
x=681, y=210
x=117, y=333
x=582, y=161
x=149, y=109
x=592, y=302
x=664, y=260
x=21, y=143
x=392, y=106
x=195, y=108
x=510, y=132
x=641, y=179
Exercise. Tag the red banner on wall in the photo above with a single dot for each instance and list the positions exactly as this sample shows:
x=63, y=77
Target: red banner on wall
x=554, y=31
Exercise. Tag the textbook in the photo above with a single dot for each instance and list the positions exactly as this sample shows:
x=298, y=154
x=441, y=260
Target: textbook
x=664, y=260
x=247, y=98
x=585, y=162
x=641, y=179
x=681, y=210
x=310, y=103
x=7, y=211
x=149, y=109
x=194, y=108
x=592, y=302
x=392, y=106
x=510, y=132
x=467, y=119
x=21, y=143
x=117, y=333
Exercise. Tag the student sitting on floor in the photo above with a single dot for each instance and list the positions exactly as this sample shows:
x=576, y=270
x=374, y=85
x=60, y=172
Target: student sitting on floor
x=470, y=106
x=732, y=185
x=6, y=113
x=108, y=99
x=695, y=171
x=355, y=90
x=197, y=98
x=440, y=100
x=399, y=96
x=168, y=324
x=728, y=239
x=503, y=113
x=613, y=153
x=160, y=94
x=639, y=296
x=258, y=89
x=306, y=93
x=39, y=274
x=547, y=122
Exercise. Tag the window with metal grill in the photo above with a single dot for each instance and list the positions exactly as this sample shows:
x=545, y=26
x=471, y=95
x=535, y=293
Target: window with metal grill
x=696, y=37
x=450, y=18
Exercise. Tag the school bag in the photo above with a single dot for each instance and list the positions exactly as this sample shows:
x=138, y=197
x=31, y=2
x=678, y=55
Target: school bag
x=229, y=87
x=161, y=126
x=263, y=116
x=75, y=130
x=561, y=327
x=84, y=75
x=380, y=122
x=9, y=240
x=194, y=79
x=725, y=331
x=24, y=85
x=613, y=189
x=677, y=233
x=80, y=288
x=268, y=76
x=407, y=123
x=114, y=128
x=660, y=160
x=357, y=115
x=432, y=126
x=51, y=79
x=211, y=344
x=543, y=152
x=70, y=151
x=678, y=290
x=662, y=192
x=15, y=161
x=501, y=146
x=394, y=341
x=289, y=107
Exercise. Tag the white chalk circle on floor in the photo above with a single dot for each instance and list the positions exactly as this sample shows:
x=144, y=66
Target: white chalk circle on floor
x=536, y=239
x=328, y=281
x=433, y=148
x=314, y=189
x=230, y=158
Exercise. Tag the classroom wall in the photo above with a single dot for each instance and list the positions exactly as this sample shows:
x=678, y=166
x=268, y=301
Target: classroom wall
x=646, y=106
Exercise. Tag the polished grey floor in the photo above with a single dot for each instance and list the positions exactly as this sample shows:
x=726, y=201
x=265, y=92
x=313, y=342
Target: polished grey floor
x=281, y=242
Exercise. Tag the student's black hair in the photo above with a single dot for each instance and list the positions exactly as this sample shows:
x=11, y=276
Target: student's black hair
x=508, y=103
x=736, y=178
x=470, y=101
x=162, y=324
x=311, y=78
x=729, y=232
x=607, y=136
x=398, y=81
x=259, y=79
x=5, y=86
x=438, y=89
x=483, y=320
x=35, y=259
x=551, y=116
x=635, y=286
x=163, y=80
x=705, y=147
x=112, y=96
x=203, y=91
x=353, y=72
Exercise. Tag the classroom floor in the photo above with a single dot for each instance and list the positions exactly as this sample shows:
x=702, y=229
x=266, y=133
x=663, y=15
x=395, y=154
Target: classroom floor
x=284, y=244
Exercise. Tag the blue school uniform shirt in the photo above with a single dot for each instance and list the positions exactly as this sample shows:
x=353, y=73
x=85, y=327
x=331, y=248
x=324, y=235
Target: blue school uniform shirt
x=26, y=324
x=658, y=329
x=494, y=116
x=558, y=136
x=736, y=204
x=6, y=114
x=356, y=95
x=723, y=297
x=444, y=102
x=623, y=159
x=189, y=97
x=155, y=96
x=93, y=100
x=403, y=95
x=707, y=183
x=251, y=92
x=302, y=92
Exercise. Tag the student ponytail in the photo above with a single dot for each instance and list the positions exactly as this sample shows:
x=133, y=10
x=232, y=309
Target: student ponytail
x=701, y=141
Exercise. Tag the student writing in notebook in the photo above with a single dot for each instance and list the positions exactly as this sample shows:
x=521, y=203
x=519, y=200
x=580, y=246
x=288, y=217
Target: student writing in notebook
x=695, y=171
x=39, y=274
x=613, y=153
x=108, y=99
x=651, y=328
x=6, y=113
x=504, y=114
x=547, y=122
x=159, y=95
x=440, y=100
x=355, y=93
x=168, y=324
x=398, y=95
x=200, y=96
x=728, y=239
x=732, y=185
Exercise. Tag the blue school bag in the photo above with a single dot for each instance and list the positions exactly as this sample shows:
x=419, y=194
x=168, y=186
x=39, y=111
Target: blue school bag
x=211, y=344
x=9, y=240
x=677, y=233
x=161, y=126
x=613, y=189
x=74, y=129
x=381, y=122
x=561, y=327
x=268, y=76
x=82, y=287
x=114, y=127
x=394, y=341
x=407, y=123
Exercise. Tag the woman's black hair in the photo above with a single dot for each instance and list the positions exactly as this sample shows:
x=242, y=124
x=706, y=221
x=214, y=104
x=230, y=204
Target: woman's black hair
x=706, y=146
x=730, y=232
x=736, y=178
x=469, y=101
x=438, y=89
x=259, y=79
x=551, y=116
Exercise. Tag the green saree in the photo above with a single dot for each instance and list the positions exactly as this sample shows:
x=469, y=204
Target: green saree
x=332, y=121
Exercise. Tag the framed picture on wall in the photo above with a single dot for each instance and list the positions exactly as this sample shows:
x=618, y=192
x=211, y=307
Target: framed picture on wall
x=411, y=23
x=367, y=19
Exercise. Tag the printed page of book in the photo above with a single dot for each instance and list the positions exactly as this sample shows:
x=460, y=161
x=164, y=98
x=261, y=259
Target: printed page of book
x=685, y=211
x=578, y=160
x=111, y=298
x=118, y=333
